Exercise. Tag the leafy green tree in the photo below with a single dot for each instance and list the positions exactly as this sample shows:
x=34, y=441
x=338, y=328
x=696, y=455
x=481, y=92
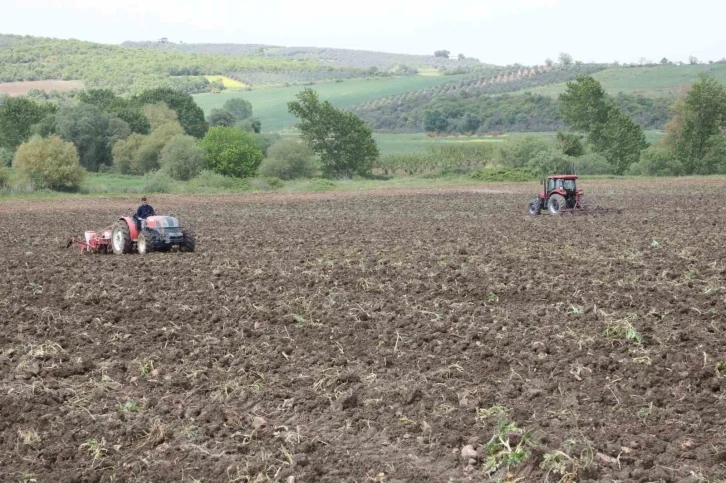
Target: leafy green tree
x=242, y=109
x=288, y=159
x=221, y=117
x=125, y=154
x=469, y=123
x=159, y=114
x=124, y=109
x=550, y=162
x=343, y=141
x=49, y=163
x=182, y=158
x=435, y=121
x=102, y=98
x=583, y=105
x=231, y=152
x=6, y=157
x=565, y=59
x=622, y=141
x=190, y=115
x=17, y=116
x=91, y=131
x=714, y=161
x=703, y=114
x=147, y=157
x=442, y=53
x=570, y=144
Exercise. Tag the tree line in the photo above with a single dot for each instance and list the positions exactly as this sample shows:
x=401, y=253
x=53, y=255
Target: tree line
x=163, y=132
x=130, y=70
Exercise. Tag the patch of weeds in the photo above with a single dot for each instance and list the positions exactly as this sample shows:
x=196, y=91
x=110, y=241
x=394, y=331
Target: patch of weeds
x=560, y=464
x=189, y=432
x=95, y=448
x=28, y=436
x=482, y=414
x=643, y=360
x=146, y=367
x=492, y=298
x=575, y=310
x=623, y=329
x=128, y=407
x=28, y=477
x=721, y=369
x=644, y=413
x=34, y=288
x=501, y=450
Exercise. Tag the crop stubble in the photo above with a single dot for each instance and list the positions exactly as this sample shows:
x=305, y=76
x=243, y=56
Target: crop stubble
x=370, y=337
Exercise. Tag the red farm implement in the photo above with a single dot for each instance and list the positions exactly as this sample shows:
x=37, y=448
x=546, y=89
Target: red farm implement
x=155, y=233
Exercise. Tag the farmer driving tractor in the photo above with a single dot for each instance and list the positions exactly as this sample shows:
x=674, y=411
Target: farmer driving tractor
x=143, y=212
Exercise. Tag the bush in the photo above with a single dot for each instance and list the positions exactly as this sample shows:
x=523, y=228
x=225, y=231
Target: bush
x=231, y=152
x=551, y=162
x=657, y=162
x=4, y=177
x=221, y=117
x=157, y=182
x=516, y=153
x=124, y=154
x=593, y=163
x=182, y=158
x=288, y=159
x=210, y=180
x=241, y=108
x=6, y=157
x=50, y=163
x=264, y=141
x=512, y=175
x=320, y=185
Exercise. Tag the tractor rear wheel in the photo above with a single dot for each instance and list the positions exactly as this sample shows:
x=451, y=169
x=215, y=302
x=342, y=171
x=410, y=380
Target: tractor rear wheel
x=188, y=243
x=556, y=204
x=121, y=238
x=534, y=207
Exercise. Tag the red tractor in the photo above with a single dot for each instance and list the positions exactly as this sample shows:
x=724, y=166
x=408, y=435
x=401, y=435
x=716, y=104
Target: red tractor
x=155, y=233
x=560, y=195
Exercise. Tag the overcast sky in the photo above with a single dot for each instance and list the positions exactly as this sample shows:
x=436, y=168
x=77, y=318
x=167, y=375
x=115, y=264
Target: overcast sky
x=495, y=31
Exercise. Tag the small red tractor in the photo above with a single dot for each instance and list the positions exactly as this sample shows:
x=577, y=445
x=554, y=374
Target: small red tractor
x=560, y=195
x=155, y=233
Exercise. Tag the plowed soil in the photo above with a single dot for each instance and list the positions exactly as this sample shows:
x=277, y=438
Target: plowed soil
x=429, y=335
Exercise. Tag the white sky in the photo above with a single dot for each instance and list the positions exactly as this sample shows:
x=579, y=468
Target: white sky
x=495, y=31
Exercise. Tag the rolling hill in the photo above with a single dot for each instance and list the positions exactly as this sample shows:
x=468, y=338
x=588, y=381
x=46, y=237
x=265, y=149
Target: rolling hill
x=270, y=105
x=360, y=59
x=128, y=70
x=648, y=81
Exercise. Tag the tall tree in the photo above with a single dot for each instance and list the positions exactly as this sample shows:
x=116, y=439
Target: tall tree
x=190, y=115
x=17, y=116
x=584, y=106
x=343, y=141
x=703, y=114
x=565, y=59
x=241, y=108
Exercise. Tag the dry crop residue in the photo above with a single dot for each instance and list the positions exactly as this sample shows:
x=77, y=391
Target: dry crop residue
x=435, y=336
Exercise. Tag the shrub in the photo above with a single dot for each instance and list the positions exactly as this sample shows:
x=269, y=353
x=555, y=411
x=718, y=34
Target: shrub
x=231, y=152
x=182, y=158
x=657, y=162
x=516, y=153
x=264, y=141
x=124, y=154
x=208, y=179
x=50, y=163
x=221, y=117
x=593, y=163
x=241, y=108
x=4, y=177
x=288, y=159
x=550, y=162
x=320, y=185
x=6, y=157
x=159, y=114
x=512, y=175
x=157, y=182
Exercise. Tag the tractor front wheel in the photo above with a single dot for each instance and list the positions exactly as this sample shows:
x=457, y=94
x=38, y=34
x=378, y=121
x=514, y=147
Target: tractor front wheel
x=534, y=207
x=121, y=238
x=144, y=244
x=188, y=243
x=556, y=204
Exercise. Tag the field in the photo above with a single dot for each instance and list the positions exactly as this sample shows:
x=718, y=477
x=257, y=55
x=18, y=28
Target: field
x=270, y=105
x=394, y=335
x=647, y=81
x=22, y=88
x=226, y=81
